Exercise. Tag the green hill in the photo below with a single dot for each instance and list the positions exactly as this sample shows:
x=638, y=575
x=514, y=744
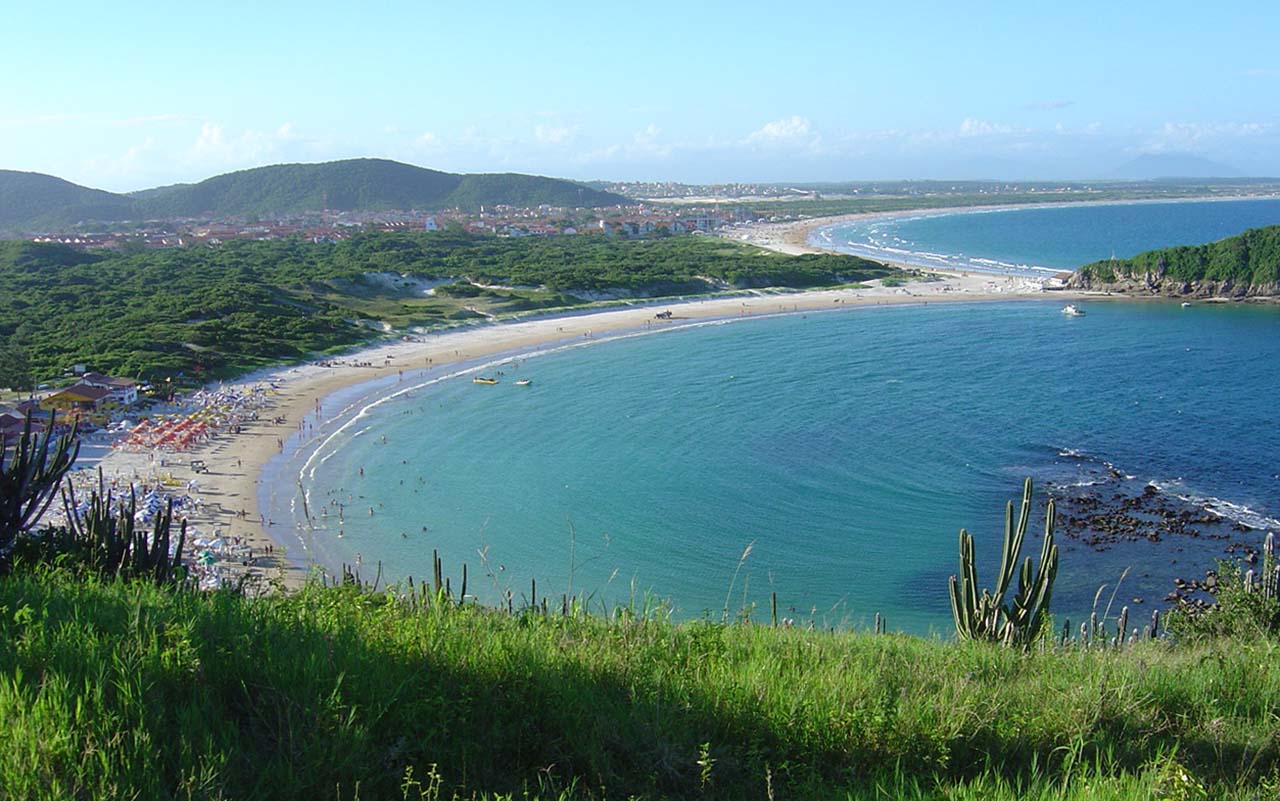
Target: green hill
x=513, y=189
x=356, y=184
x=30, y=201
x=1245, y=265
x=31, y=198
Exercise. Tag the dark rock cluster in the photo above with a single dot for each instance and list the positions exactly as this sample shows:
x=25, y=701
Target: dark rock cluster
x=1113, y=511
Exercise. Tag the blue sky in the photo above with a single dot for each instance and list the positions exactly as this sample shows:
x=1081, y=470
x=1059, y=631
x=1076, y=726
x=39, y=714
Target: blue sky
x=129, y=95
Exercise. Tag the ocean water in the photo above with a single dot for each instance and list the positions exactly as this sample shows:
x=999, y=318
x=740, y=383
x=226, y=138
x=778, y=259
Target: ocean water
x=845, y=449
x=1035, y=240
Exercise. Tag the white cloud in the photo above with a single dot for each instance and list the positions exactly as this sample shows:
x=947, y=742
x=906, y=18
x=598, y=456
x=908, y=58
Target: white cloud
x=786, y=129
x=648, y=135
x=973, y=127
x=1194, y=136
x=554, y=134
x=215, y=148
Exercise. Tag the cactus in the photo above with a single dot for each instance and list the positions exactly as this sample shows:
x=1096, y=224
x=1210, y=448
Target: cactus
x=988, y=617
x=29, y=479
x=111, y=542
x=1270, y=569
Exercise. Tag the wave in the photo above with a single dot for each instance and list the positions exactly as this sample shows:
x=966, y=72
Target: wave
x=1230, y=510
x=1108, y=472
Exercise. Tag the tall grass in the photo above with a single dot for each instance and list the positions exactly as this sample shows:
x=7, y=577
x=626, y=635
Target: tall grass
x=112, y=690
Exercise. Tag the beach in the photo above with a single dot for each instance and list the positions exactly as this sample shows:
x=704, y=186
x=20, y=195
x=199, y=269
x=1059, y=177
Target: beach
x=229, y=482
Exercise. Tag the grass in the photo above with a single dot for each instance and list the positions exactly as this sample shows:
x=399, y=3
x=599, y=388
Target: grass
x=110, y=689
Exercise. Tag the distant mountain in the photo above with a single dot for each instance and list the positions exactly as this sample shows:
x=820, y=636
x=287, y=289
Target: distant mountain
x=33, y=199
x=30, y=201
x=1173, y=165
x=1245, y=265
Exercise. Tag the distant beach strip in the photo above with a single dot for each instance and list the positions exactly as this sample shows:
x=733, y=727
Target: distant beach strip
x=1040, y=240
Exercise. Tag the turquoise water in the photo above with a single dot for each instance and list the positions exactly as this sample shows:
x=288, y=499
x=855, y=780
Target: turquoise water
x=846, y=448
x=1058, y=238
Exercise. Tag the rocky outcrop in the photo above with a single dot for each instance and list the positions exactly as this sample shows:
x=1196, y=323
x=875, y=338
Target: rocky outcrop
x=1150, y=283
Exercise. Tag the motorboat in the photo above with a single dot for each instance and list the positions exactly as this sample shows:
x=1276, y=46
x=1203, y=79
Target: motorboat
x=524, y=382
x=1072, y=311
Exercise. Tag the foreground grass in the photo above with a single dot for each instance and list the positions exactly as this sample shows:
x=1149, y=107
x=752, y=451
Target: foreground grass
x=123, y=690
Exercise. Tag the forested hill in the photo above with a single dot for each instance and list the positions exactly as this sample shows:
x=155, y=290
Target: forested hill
x=34, y=202
x=361, y=185
x=31, y=198
x=1245, y=265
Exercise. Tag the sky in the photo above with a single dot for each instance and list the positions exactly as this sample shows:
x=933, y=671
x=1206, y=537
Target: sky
x=128, y=95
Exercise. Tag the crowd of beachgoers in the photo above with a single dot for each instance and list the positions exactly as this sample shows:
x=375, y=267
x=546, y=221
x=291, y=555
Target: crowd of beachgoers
x=149, y=460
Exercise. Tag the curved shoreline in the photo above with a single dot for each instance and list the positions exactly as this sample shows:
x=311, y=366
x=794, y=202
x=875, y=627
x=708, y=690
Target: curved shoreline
x=233, y=478
x=280, y=484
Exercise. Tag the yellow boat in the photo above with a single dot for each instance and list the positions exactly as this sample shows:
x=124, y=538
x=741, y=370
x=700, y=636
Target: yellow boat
x=482, y=380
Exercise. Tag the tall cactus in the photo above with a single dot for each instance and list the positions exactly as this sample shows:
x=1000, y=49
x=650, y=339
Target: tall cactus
x=107, y=534
x=988, y=617
x=29, y=479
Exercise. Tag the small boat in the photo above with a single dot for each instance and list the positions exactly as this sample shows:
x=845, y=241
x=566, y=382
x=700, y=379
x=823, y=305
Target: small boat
x=482, y=380
x=1186, y=305
x=524, y=382
x=1071, y=311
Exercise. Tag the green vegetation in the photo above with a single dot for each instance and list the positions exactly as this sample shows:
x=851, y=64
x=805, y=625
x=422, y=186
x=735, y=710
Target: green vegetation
x=1236, y=264
x=29, y=479
x=31, y=201
x=202, y=312
x=989, y=618
x=112, y=689
x=1246, y=602
x=145, y=689
x=361, y=184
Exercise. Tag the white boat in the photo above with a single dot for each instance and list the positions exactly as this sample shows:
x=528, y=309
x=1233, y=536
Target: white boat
x=524, y=382
x=1071, y=311
x=1186, y=305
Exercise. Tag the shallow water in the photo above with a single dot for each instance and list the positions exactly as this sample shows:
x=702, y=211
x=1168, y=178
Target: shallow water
x=846, y=448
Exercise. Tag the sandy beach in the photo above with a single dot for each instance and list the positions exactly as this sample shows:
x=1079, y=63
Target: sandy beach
x=228, y=486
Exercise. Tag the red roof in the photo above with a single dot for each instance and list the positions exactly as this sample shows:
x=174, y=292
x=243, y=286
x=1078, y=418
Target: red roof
x=84, y=392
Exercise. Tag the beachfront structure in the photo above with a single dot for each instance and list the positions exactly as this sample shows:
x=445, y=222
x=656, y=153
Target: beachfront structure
x=124, y=391
x=77, y=398
x=94, y=392
x=11, y=426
